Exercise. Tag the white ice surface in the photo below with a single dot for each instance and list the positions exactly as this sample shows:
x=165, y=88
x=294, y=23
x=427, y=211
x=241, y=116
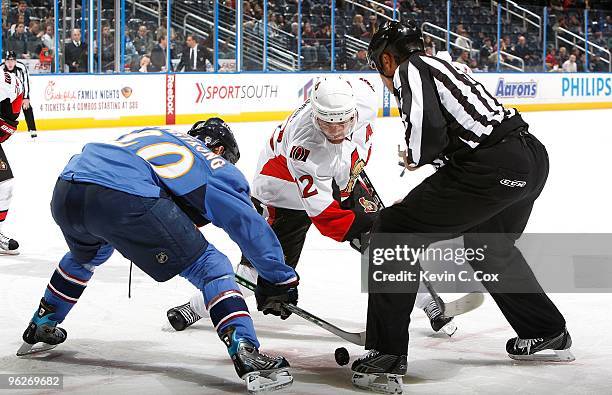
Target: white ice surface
x=119, y=345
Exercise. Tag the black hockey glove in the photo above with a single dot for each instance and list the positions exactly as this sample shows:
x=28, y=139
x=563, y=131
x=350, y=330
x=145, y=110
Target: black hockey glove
x=360, y=244
x=272, y=297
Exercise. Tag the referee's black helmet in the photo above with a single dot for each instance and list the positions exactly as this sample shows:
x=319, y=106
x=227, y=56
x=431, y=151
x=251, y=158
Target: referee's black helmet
x=400, y=39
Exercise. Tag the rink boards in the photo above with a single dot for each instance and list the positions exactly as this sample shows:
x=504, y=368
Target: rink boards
x=71, y=101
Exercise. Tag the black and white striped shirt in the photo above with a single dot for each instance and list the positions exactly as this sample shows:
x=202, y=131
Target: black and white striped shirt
x=21, y=70
x=443, y=109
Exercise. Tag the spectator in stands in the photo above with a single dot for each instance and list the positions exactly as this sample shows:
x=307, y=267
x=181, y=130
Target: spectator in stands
x=225, y=52
x=551, y=59
x=130, y=55
x=372, y=26
x=358, y=29
x=34, y=40
x=324, y=45
x=581, y=63
x=159, y=55
x=359, y=62
x=309, y=46
x=21, y=10
x=522, y=51
x=464, y=58
x=596, y=65
x=145, y=64
x=462, y=42
x=574, y=25
x=485, y=53
x=75, y=53
x=563, y=55
x=48, y=39
x=142, y=41
x=194, y=56
x=569, y=66
x=17, y=42
x=108, y=49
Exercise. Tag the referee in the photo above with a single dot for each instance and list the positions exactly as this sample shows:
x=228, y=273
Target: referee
x=490, y=170
x=12, y=65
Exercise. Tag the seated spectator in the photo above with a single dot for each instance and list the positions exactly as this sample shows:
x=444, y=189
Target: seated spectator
x=596, y=65
x=324, y=45
x=145, y=64
x=485, y=52
x=372, y=27
x=21, y=10
x=225, y=52
x=551, y=59
x=570, y=66
x=17, y=42
x=358, y=29
x=462, y=42
x=34, y=40
x=464, y=58
x=309, y=46
x=159, y=55
x=359, y=62
x=48, y=39
x=75, y=53
x=142, y=41
x=563, y=55
x=522, y=51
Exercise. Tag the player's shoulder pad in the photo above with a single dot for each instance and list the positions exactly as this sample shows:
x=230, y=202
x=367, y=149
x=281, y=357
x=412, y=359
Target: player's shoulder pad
x=367, y=100
x=229, y=179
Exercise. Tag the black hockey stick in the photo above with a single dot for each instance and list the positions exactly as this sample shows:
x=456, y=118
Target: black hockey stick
x=357, y=338
x=460, y=306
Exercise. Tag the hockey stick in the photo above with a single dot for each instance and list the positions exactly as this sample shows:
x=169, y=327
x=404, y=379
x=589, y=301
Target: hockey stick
x=462, y=305
x=353, y=337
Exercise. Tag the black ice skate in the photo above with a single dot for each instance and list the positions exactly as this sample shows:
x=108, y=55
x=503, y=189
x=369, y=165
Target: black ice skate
x=42, y=334
x=548, y=349
x=260, y=372
x=375, y=365
x=8, y=246
x=438, y=320
x=182, y=317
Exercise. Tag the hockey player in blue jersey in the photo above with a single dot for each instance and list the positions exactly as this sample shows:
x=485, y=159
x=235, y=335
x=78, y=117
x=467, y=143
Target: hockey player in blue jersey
x=144, y=194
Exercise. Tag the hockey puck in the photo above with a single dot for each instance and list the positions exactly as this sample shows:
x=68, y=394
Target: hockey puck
x=342, y=356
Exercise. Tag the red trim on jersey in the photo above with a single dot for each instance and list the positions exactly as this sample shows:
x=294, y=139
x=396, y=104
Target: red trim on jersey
x=334, y=222
x=277, y=168
x=16, y=104
x=3, y=215
x=271, y=215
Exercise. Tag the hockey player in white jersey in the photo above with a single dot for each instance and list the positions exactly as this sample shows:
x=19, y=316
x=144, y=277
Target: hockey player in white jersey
x=308, y=173
x=11, y=97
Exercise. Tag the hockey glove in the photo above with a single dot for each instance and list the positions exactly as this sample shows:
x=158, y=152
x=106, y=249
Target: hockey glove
x=7, y=128
x=272, y=297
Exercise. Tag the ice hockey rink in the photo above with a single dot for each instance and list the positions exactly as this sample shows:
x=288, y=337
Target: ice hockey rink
x=119, y=345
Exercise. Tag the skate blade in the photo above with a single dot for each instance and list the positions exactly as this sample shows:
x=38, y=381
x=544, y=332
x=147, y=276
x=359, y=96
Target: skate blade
x=368, y=382
x=258, y=382
x=29, y=349
x=9, y=252
x=546, y=356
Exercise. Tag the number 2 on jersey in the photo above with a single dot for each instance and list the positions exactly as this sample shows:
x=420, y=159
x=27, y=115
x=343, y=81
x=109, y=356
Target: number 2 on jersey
x=308, y=190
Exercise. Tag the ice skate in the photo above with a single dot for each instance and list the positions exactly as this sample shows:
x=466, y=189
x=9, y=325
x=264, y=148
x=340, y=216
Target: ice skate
x=42, y=334
x=183, y=316
x=549, y=349
x=379, y=372
x=33, y=134
x=438, y=320
x=260, y=372
x=8, y=246
x=247, y=272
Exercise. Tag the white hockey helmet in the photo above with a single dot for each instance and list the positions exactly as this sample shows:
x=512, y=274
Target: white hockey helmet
x=334, y=107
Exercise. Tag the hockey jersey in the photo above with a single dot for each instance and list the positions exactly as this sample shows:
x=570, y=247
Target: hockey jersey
x=155, y=162
x=11, y=97
x=298, y=167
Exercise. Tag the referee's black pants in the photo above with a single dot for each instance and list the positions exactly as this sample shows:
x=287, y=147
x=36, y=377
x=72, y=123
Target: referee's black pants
x=466, y=196
x=28, y=114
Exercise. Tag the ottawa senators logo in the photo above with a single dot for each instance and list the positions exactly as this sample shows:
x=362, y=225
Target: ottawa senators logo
x=357, y=165
x=368, y=206
x=299, y=153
